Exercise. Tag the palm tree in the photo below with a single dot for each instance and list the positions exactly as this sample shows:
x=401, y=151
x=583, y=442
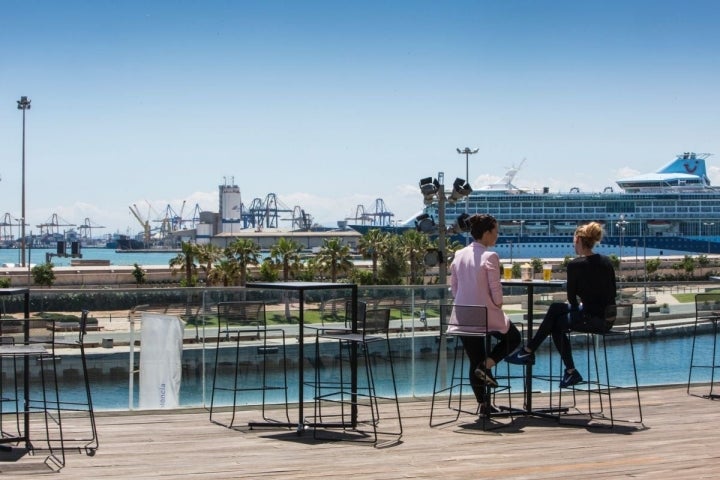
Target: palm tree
x=226, y=272
x=208, y=254
x=335, y=256
x=370, y=246
x=415, y=245
x=393, y=265
x=245, y=252
x=186, y=260
x=287, y=253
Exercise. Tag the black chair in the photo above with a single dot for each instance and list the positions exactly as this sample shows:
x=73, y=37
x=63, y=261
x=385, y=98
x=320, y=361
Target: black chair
x=707, y=311
x=468, y=321
x=373, y=328
x=245, y=324
x=598, y=384
x=84, y=407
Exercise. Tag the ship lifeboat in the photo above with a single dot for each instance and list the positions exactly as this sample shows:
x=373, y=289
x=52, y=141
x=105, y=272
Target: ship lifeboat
x=536, y=227
x=658, y=225
x=565, y=227
x=509, y=227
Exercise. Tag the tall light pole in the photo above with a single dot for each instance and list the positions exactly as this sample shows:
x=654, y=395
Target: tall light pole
x=707, y=231
x=23, y=104
x=467, y=151
x=621, y=228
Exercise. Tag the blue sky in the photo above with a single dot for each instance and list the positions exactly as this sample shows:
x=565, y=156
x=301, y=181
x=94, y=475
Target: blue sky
x=334, y=104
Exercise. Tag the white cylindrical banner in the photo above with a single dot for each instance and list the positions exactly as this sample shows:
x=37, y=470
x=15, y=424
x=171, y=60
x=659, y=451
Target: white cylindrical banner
x=161, y=345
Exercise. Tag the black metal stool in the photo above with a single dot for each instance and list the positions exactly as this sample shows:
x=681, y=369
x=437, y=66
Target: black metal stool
x=243, y=322
x=373, y=328
x=598, y=383
x=707, y=310
x=467, y=321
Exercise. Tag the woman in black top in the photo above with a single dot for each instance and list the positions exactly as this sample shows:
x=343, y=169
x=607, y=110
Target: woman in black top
x=590, y=291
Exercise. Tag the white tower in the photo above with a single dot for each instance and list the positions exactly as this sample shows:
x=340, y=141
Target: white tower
x=230, y=208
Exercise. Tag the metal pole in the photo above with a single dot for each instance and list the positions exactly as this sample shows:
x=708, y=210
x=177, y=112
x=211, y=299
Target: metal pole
x=467, y=151
x=23, y=104
x=442, y=274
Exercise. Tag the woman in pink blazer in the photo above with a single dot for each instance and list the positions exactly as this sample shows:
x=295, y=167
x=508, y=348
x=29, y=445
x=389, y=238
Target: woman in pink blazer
x=475, y=280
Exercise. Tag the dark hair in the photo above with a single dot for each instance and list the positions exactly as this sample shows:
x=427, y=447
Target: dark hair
x=589, y=234
x=480, y=224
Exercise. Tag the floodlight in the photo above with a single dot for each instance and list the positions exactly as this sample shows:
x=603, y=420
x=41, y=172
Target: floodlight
x=460, y=189
x=429, y=187
x=462, y=224
x=425, y=224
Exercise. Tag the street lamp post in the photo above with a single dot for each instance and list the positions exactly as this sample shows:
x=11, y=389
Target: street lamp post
x=467, y=151
x=707, y=231
x=23, y=104
x=621, y=228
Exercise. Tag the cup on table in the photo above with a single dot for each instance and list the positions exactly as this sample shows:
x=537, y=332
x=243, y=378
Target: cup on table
x=507, y=271
x=547, y=272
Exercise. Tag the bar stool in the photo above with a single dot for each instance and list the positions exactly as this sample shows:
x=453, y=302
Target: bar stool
x=598, y=384
x=331, y=381
x=47, y=407
x=468, y=321
x=707, y=310
x=243, y=322
x=373, y=328
x=9, y=397
x=85, y=405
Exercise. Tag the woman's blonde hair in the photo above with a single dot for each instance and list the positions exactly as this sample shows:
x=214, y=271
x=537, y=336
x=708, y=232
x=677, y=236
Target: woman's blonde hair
x=589, y=234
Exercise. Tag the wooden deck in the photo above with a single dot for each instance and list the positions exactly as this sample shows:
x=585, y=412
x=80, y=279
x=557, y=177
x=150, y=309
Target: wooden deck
x=679, y=440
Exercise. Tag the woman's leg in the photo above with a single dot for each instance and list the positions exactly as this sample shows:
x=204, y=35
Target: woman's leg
x=555, y=320
x=576, y=322
x=507, y=343
x=475, y=350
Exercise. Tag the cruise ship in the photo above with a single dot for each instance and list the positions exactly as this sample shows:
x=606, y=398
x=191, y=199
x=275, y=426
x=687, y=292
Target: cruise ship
x=673, y=211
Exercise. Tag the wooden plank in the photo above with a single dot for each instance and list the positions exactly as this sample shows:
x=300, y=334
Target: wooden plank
x=680, y=441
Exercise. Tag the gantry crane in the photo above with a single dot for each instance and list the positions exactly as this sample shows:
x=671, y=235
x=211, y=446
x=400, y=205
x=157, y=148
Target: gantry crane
x=87, y=227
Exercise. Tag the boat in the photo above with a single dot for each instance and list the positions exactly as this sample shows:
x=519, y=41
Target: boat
x=672, y=211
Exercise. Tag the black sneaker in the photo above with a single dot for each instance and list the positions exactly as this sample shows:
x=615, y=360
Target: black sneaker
x=486, y=377
x=492, y=409
x=570, y=379
x=521, y=357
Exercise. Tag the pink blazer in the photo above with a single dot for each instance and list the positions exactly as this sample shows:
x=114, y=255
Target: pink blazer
x=475, y=280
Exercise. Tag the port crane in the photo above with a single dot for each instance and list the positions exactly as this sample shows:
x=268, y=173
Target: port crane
x=52, y=226
x=143, y=221
x=381, y=216
x=87, y=227
x=6, y=234
x=263, y=214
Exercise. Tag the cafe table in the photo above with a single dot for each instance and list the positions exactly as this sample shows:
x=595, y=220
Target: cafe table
x=530, y=286
x=301, y=288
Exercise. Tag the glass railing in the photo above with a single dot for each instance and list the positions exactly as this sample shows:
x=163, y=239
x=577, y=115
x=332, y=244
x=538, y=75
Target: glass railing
x=114, y=337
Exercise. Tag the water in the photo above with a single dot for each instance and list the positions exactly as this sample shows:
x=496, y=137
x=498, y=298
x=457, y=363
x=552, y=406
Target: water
x=660, y=361
x=37, y=256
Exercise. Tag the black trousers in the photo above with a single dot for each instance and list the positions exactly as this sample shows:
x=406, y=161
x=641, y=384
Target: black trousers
x=558, y=321
x=475, y=350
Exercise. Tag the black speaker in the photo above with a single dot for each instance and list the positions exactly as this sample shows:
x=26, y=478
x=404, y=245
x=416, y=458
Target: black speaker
x=61, y=247
x=75, y=248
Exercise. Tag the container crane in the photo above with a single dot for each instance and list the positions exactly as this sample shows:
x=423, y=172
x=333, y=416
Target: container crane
x=87, y=227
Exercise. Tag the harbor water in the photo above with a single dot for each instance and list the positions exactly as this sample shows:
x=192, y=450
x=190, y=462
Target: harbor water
x=34, y=256
x=662, y=360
